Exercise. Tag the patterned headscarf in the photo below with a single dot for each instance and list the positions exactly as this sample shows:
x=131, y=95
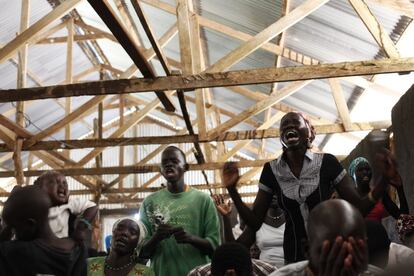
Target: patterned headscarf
x=405, y=225
x=354, y=164
x=142, y=231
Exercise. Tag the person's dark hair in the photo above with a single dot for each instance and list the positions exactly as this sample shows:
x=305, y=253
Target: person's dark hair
x=179, y=150
x=26, y=211
x=44, y=176
x=231, y=256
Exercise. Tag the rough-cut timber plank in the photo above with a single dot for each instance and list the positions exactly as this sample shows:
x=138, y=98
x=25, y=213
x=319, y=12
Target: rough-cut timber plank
x=13, y=46
x=149, y=168
x=4, y=193
x=231, y=78
x=377, y=31
x=161, y=140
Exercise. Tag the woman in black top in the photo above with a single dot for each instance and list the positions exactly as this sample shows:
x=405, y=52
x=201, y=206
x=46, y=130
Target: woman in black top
x=300, y=179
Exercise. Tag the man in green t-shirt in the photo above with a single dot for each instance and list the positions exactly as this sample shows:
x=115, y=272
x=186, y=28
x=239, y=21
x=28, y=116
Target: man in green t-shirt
x=183, y=226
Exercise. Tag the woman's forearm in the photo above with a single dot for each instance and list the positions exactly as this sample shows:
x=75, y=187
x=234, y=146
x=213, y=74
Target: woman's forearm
x=228, y=231
x=246, y=214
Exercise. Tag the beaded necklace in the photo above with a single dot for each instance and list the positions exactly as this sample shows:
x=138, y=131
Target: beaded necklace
x=107, y=266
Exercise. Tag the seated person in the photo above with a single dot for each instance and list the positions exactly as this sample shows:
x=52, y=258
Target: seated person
x=127, y=236
x=269, y=237
x=233, y=259
x=36, y=250
x=402, y=253
x=336, y=243
x=54, y=183
x=182, y=222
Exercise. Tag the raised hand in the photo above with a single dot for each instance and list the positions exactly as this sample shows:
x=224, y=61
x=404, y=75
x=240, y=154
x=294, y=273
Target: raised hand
x=230, y=174
x=387, y=165
x=223, y=206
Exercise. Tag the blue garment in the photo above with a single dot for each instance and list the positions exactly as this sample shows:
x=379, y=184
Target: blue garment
x=108, y=242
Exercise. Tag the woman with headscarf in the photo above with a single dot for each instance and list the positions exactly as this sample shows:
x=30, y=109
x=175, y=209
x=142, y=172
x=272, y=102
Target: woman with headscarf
x=361, y=172
x=127, y=238
x=300, y=179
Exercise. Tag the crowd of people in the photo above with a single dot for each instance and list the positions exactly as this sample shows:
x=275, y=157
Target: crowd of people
x=310, y=217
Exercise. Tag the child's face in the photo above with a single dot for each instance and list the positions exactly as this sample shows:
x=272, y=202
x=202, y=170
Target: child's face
x=57, y=189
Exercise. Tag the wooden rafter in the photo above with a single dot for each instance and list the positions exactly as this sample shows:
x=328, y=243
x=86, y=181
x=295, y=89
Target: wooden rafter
x=258, y=107
x=117, y=28
x=340, y=102
x=202, y=80
x=405, y=7
x=27, y=36
x=267, y=34
x=377, y=31
x=147, y=168
x=154, y=140
x=271, y=47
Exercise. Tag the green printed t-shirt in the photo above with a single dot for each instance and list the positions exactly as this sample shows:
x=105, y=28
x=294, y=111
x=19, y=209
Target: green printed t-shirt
x=195, y=212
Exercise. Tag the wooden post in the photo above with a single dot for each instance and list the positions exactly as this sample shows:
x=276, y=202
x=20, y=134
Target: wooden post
x=69, y=76
x=17, y=158
x=135, y=155
x=98, y=162
x=121, y=148
x=29, y=166
x=22, y=57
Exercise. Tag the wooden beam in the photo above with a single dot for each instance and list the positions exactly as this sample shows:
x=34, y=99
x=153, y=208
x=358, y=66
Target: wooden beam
x=95, y=31
x=69, y=76
x=159, y=140
x=13, y=46
x=129, y=21
x=111, y=20
x=22, y=61
x=199, y=65
x=131, y=122
x=17, y=160
x=258, y=107
x=121, y=148
x=231, y=78
x=150, y=53
x=340, y=102
x=89, y=105
x=267, y=124
x=154, y=42
x=213, y=25
x=147, y=168
x=18, y=130
x=51, y=158
x=267, y=34
x=405, y=7
x=214, y=108
x=374, y=27
x=29, y=167
x=184, y=35
x=270, y=47
x=76, y=38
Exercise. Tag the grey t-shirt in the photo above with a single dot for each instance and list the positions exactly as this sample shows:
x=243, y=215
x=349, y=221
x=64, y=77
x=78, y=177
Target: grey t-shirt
x=299, y=269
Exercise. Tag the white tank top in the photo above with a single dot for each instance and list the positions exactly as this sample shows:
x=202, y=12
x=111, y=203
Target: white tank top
x=270, y=242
